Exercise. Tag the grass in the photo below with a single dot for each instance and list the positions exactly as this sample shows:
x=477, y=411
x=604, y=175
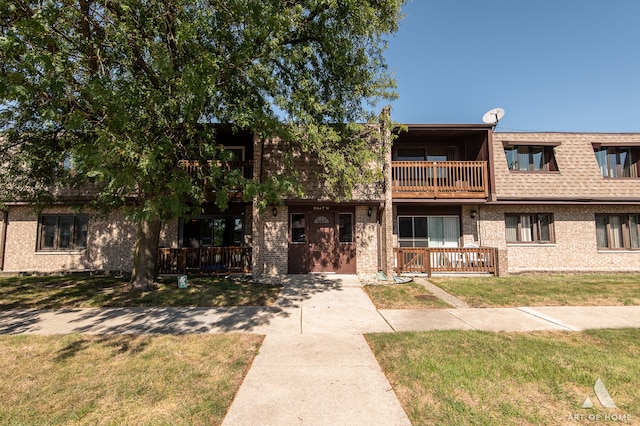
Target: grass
x=462, y=377
x=544, y=290
x=80, y=379
x=56, y=292
x=403, y=296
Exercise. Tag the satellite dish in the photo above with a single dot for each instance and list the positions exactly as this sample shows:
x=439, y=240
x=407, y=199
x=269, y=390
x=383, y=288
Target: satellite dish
x=493, y=116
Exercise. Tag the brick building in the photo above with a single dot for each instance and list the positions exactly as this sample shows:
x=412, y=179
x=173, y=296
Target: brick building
x=453, y=198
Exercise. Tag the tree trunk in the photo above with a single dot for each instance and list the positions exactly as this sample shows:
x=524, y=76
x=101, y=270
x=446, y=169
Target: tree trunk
x=145, y=255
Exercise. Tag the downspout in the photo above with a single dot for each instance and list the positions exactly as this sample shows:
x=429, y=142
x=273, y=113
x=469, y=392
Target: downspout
x=491, y=166
x=4, y=215
x=379, y=240
x=257, y=266
x=478, y=222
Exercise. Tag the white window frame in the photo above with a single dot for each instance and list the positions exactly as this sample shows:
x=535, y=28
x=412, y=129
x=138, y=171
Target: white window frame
x=428, y=241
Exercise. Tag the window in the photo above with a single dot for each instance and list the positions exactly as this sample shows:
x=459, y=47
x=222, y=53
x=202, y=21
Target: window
x=618, y=231
x=618, y=162
x=212, y=232
x=69, y=163
x=432, y=153
x=530, y=158
x=297, y=228
x=428, y=231
x=345, y=227
x=529, y=228
x=411, y=154
x=62, y=232
x=321, y=220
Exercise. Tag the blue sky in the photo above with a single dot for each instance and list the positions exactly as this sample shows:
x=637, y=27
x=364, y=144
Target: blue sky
x=553, y=65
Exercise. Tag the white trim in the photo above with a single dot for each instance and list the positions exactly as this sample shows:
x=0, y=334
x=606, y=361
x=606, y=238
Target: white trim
x=242, y=148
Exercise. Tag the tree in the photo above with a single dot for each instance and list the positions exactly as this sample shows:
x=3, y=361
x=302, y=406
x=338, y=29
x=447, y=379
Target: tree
x=125, y=89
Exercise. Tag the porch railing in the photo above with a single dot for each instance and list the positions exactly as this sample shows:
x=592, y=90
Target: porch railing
x=434, y=179
x=212, y=260
x=246, y=167
x=446, y=259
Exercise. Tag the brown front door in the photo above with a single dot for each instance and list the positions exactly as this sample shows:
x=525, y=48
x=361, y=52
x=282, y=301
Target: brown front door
x=322, y=241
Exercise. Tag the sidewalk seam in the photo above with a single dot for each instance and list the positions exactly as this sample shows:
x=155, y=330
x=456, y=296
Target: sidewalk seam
x=552, y=320
x=451, y=312
x=385, y=320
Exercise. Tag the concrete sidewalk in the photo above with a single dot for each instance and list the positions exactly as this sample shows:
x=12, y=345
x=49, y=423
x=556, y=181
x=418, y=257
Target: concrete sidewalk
x=314, y=365
x=309, y=319
x=317, y=368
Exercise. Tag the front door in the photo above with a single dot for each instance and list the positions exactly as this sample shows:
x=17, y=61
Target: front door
x=322, y=241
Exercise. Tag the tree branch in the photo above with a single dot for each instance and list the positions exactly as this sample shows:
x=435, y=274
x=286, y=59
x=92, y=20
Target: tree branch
x=138, y=58
x=86, y=33
x=169, y=22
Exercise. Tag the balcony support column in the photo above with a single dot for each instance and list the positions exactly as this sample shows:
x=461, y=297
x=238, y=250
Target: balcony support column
x=386, y=213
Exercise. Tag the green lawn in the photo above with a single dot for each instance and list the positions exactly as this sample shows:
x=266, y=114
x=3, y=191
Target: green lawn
x=481, y=378
x=403, y=296
x=79, y=379
x=56, y=292
x=544, y=290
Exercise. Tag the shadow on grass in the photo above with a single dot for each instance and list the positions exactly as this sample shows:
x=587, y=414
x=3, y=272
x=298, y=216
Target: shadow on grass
x=118, y=344
x=88, y=292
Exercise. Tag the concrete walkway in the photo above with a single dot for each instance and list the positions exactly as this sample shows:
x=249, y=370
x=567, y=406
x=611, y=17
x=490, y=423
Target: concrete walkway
x=314, y=366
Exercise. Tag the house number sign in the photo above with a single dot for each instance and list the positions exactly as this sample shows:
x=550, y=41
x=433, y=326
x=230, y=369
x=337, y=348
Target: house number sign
x=321, y=208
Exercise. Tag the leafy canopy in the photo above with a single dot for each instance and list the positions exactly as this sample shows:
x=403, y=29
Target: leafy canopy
x=125, y=89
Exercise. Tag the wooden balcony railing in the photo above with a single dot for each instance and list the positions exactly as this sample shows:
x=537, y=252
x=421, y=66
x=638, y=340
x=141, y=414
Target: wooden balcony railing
x=446, y=179
x=446, y=259
x=209, y=260
x=192, y=166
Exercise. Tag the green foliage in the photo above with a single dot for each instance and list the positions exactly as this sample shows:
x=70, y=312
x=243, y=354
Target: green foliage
x=129, y=88
x=124, y=90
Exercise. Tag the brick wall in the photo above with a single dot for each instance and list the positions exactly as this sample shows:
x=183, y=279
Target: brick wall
x=270, y=252
x=574, y=249
x=109, y=246
x=110, y=243
x=273, y=160
x=366, y=238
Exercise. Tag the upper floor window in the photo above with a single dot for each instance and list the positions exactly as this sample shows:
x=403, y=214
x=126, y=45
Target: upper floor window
x=62, y=232
x=618, y=161
x=432, y=153
x=618, y=231
x=529, y=228
x=530, y=158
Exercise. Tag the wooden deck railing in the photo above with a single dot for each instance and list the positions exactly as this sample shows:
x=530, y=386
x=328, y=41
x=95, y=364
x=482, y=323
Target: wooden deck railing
x=192, y=166
x=449, y=259
x=446, y=179
x=211, y=260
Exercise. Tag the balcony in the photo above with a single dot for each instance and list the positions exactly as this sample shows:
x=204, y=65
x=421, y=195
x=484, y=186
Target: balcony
x=479, y=260
x=245, y=167
x=434, y=179
x=204, y=260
